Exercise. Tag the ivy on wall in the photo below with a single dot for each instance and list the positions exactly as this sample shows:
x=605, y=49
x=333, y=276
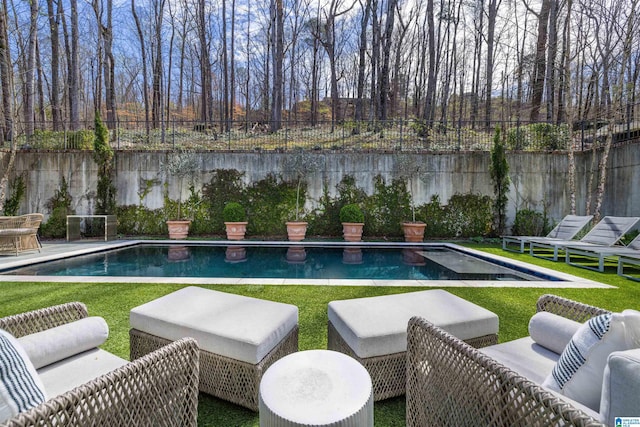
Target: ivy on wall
x=271, y=202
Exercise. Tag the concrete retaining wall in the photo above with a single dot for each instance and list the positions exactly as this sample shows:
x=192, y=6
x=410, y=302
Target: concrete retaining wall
x=537, y=178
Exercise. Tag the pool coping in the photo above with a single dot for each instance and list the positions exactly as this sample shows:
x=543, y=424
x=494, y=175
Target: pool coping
x=55, y=251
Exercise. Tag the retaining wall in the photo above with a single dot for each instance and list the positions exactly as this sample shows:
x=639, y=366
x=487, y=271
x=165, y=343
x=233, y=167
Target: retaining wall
x=537, y=178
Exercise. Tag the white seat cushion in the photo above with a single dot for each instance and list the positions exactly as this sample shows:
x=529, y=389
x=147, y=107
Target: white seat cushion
x=76, y=370
x=525, y=357
x=234, y=326
x=377, y=326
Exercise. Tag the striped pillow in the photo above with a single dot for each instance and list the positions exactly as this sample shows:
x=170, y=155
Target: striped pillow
x=20, y=386
x=579, y=371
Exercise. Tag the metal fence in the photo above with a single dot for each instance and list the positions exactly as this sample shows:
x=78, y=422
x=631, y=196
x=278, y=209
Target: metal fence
x=392, y=135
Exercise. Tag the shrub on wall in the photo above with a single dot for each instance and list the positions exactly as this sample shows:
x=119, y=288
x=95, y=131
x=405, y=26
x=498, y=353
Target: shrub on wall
x=465, y=215
x=60, y=206
x=538, y=136
x=325, y=220
x=225, y=186
x=387, y=207
x=530, y=223
x=270, y=203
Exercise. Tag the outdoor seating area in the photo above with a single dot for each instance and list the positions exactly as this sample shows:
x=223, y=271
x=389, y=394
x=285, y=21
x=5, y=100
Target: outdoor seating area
x=20, y=233
x=542, y=379
x=437, y=348
x=600, y=243
x=54, y=374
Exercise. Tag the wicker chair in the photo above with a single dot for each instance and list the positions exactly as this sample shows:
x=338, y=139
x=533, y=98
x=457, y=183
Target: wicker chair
x=450, y=383
x=20, y=233
x=160, y=389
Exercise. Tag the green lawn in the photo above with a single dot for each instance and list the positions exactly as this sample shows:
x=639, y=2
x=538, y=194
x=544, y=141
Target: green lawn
x=113, y=301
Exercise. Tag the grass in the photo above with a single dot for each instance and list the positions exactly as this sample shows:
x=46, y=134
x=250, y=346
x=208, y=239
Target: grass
x=113, y=301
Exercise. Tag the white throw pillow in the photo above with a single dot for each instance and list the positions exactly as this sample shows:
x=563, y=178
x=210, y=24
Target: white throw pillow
x=20, y=386
x=55, y=344
x=552, y=331
x=580, y=369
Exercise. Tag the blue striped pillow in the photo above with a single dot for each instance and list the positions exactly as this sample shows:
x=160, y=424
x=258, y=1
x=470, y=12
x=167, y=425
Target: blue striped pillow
x=20, y=387
x=579, y=371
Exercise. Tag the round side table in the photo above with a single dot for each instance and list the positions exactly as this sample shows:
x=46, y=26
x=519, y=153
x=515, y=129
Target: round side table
x=316, y=388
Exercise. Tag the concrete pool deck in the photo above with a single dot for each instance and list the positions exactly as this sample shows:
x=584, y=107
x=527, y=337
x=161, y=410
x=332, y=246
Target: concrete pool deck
x=58, y=250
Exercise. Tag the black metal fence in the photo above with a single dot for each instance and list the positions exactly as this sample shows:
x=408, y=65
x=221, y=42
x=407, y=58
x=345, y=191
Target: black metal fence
x=392, y=135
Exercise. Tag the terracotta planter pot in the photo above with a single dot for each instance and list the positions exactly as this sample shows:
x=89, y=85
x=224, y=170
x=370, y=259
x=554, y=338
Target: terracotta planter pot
x=296, y=230
x=236, y=230
x=178, y=229
x=413, y=231
x=352, y=231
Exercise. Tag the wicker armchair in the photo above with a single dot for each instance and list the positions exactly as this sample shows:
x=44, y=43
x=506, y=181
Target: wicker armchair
x=450, y=383
x=20, y=233
x=159, y=389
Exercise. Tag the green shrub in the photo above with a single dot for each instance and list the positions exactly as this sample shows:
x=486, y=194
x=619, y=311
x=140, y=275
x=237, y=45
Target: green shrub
x=529, y=223
x=465, y=215
x=59, y=206
x=234, y=212
x=351, y=213
x=225, y=186
x=538, y=136
x=270, y=202
x=59, y=140
x=135, y=220
x=387, y=208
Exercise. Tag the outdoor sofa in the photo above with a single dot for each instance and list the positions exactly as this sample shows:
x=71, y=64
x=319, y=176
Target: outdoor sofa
x=607, y=232
x=567, y=229
x=67, y=381
x=452, y=383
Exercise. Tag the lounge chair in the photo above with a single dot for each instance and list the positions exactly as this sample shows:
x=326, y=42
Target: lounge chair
x=629, y=259
x=601, y=252
x=607, y=232
x=84, y=385
x=567, y=229
x=451, y=383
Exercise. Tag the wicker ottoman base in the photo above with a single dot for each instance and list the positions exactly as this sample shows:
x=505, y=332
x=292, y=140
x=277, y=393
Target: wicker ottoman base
x=229, y=379
x=388, y=372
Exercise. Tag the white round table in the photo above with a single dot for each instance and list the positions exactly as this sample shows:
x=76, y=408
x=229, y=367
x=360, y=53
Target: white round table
x=316, y=388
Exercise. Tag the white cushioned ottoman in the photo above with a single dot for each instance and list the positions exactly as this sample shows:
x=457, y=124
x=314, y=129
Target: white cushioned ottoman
x=374, y=330
x=239, y=337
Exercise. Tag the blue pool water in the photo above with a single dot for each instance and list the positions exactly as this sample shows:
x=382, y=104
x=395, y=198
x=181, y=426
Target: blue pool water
x=280, y=262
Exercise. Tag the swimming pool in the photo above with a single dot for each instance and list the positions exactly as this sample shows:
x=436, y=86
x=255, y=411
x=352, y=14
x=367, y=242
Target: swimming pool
x=284, y=261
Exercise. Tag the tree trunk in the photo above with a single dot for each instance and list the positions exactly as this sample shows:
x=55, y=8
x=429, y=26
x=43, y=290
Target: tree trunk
x=277, y=52
x=383, y=77
x=54, y=23
x=74, y=70
x=540, y=62
x=156, y=84
x=29, y=92
x=362, y=57
x=492, y=13
x=6, y=80
x=145, y=83
x=430, y=95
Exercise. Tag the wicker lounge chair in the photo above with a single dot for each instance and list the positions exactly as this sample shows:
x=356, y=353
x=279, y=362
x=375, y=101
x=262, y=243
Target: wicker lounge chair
x=451, y=383
x=601, y=253
x=607, y=232
x=567, y=229
x=160, y=389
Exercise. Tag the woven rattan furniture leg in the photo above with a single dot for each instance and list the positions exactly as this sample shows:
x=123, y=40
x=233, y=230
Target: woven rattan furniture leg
x=226, y=378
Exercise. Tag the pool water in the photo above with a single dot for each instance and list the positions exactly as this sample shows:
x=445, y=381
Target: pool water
x=295, y=262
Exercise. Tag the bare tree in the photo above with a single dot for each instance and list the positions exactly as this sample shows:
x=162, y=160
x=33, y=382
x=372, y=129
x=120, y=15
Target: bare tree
x=143, y=53
x=30, y=69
